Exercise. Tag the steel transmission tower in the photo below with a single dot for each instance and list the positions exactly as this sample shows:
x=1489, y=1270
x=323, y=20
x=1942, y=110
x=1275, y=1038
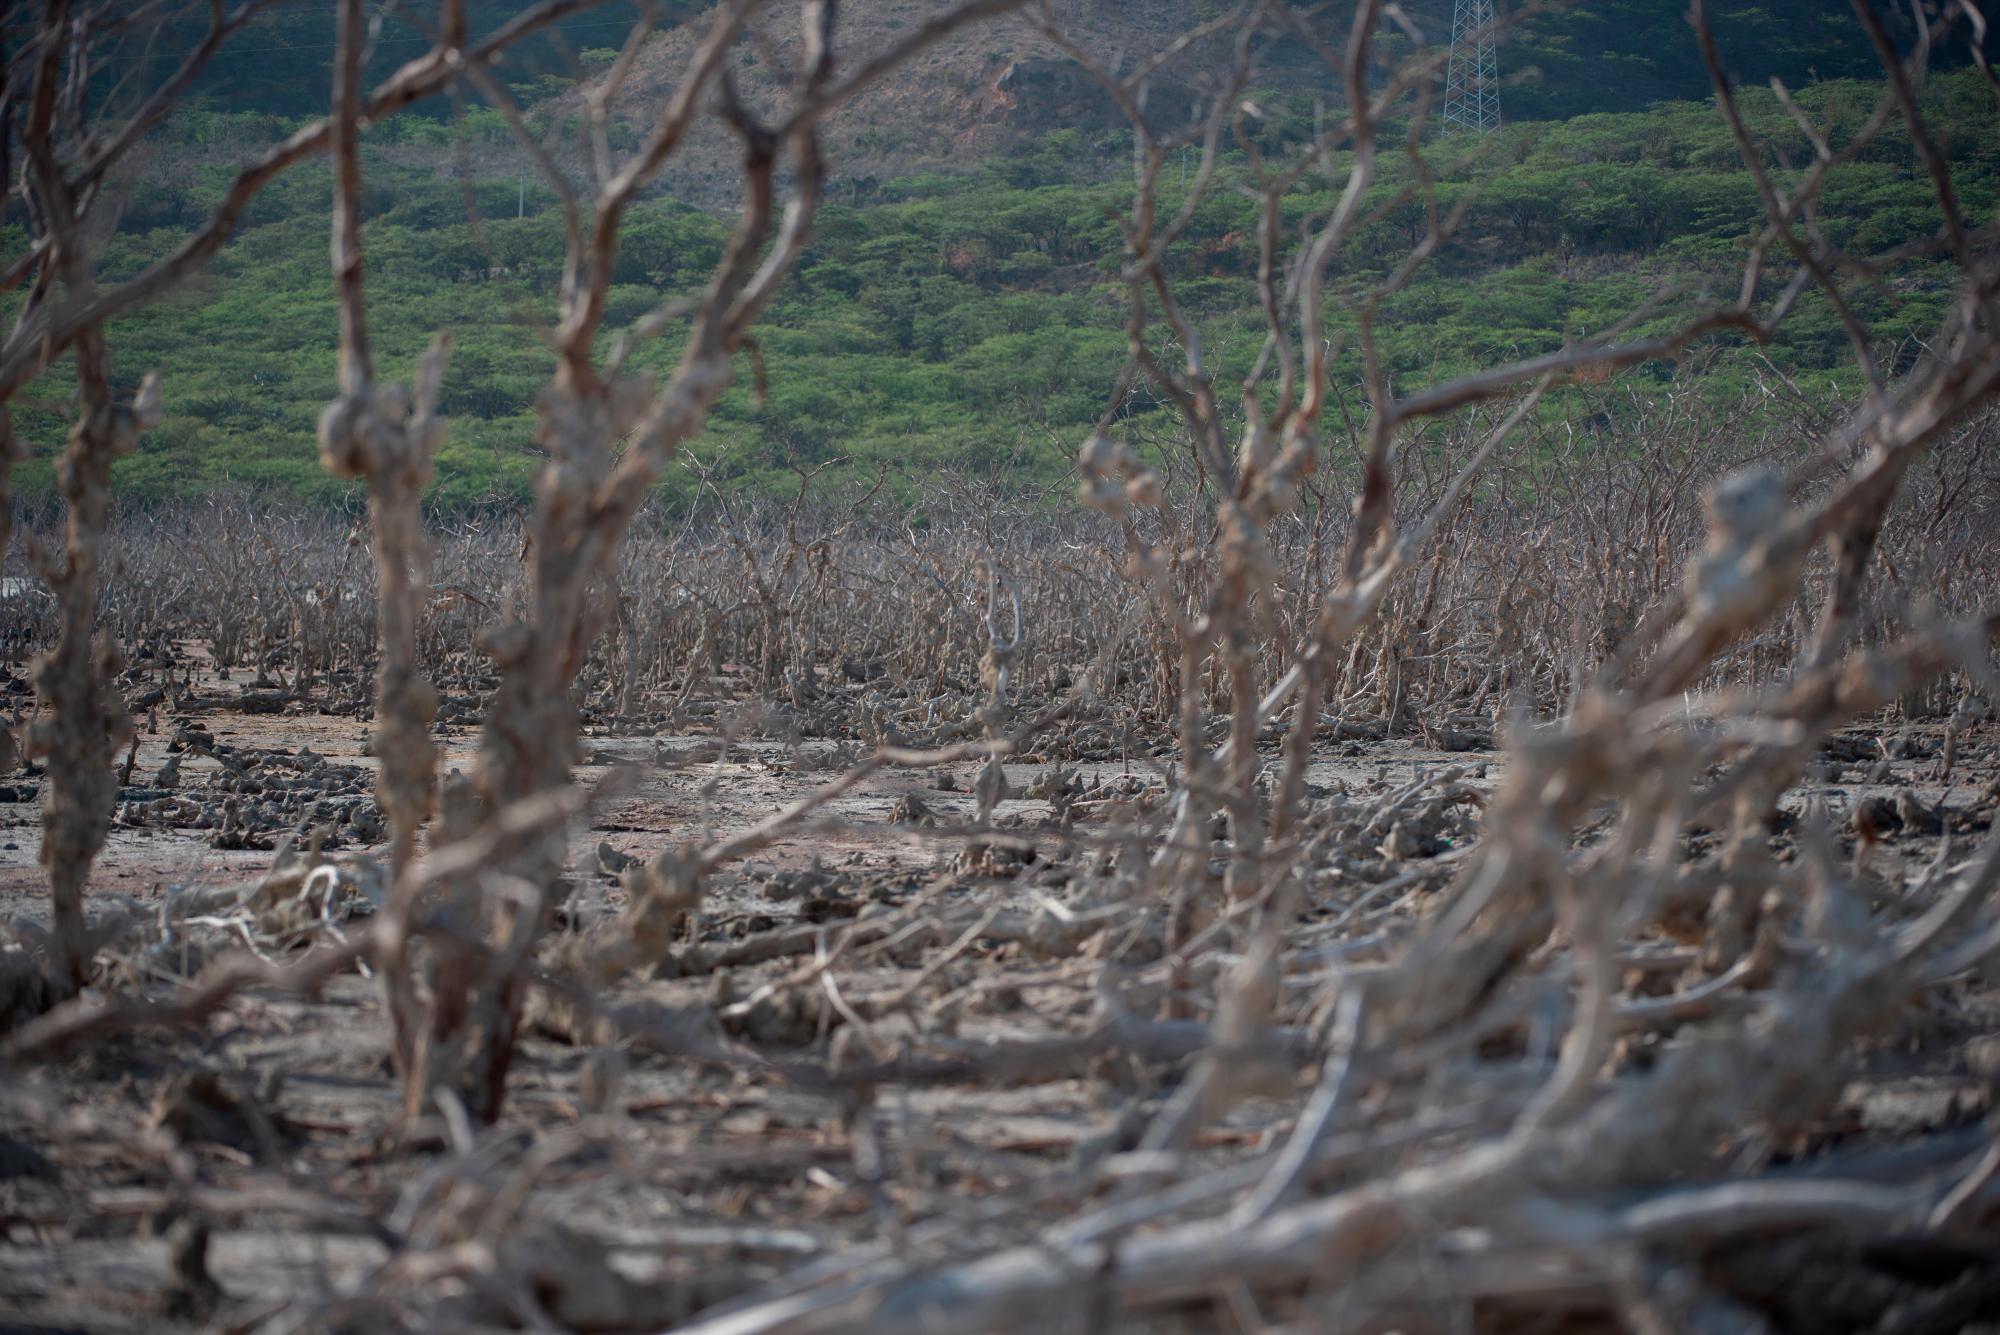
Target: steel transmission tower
x=1471, y=79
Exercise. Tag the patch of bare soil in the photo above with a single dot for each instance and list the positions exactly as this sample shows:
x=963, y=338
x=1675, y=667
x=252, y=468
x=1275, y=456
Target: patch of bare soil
x=254, y=1173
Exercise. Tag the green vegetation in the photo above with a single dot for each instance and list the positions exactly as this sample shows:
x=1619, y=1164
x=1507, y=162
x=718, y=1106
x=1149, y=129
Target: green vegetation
x=282, y=63
x=969, y=320
x=1627, y=55
x=1604, y=55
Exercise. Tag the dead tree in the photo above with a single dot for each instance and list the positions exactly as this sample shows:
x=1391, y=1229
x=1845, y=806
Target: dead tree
x=387, y=435
x=1420, y=1179
x=1580, y=1137
x=66, y=162
x=588, y=494
x=68, y=152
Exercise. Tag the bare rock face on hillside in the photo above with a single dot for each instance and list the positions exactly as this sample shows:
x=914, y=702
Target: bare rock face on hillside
x=1038, y=92
x=981, y=90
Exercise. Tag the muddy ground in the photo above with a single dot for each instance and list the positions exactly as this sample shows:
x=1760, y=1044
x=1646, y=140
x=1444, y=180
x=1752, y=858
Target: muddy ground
x=712, y=1178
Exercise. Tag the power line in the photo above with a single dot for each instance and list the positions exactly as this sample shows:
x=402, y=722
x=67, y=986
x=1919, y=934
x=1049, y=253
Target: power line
x=1471, y=78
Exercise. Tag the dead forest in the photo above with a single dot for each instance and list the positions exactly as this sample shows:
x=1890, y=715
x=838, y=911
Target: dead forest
x=1374, y=857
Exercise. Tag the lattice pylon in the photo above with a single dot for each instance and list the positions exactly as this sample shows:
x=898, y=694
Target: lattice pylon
x=1471, y=76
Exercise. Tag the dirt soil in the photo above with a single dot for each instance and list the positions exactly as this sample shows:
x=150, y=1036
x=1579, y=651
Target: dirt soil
x=710, y=1178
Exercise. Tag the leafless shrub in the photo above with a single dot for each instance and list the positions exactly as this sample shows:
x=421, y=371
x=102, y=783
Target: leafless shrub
x=1532, y=1041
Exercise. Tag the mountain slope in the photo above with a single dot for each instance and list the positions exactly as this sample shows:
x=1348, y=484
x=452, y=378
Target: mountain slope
x=989, y=87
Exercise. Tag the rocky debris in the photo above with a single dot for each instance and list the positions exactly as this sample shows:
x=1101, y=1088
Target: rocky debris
x=1877, y=815
x=251, y=796
x=25, y=991
x=781, y=1018
x=1056, y=783
x=910, y=809
x=204, y=1107
x=1852, y=748
x=611, y=862
x=299, y=894
x=1117, y=800
x=802, y=883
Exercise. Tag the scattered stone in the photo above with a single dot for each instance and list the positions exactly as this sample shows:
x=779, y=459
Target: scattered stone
x=909, y=809
x=611, y=862
x=1916, y=815
x=1875, y=815
x=200, y=1107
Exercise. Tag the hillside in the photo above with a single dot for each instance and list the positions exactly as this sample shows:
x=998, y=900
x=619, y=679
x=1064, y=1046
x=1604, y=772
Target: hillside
x=990, y=89
x=997, y=87
x=952, y=309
